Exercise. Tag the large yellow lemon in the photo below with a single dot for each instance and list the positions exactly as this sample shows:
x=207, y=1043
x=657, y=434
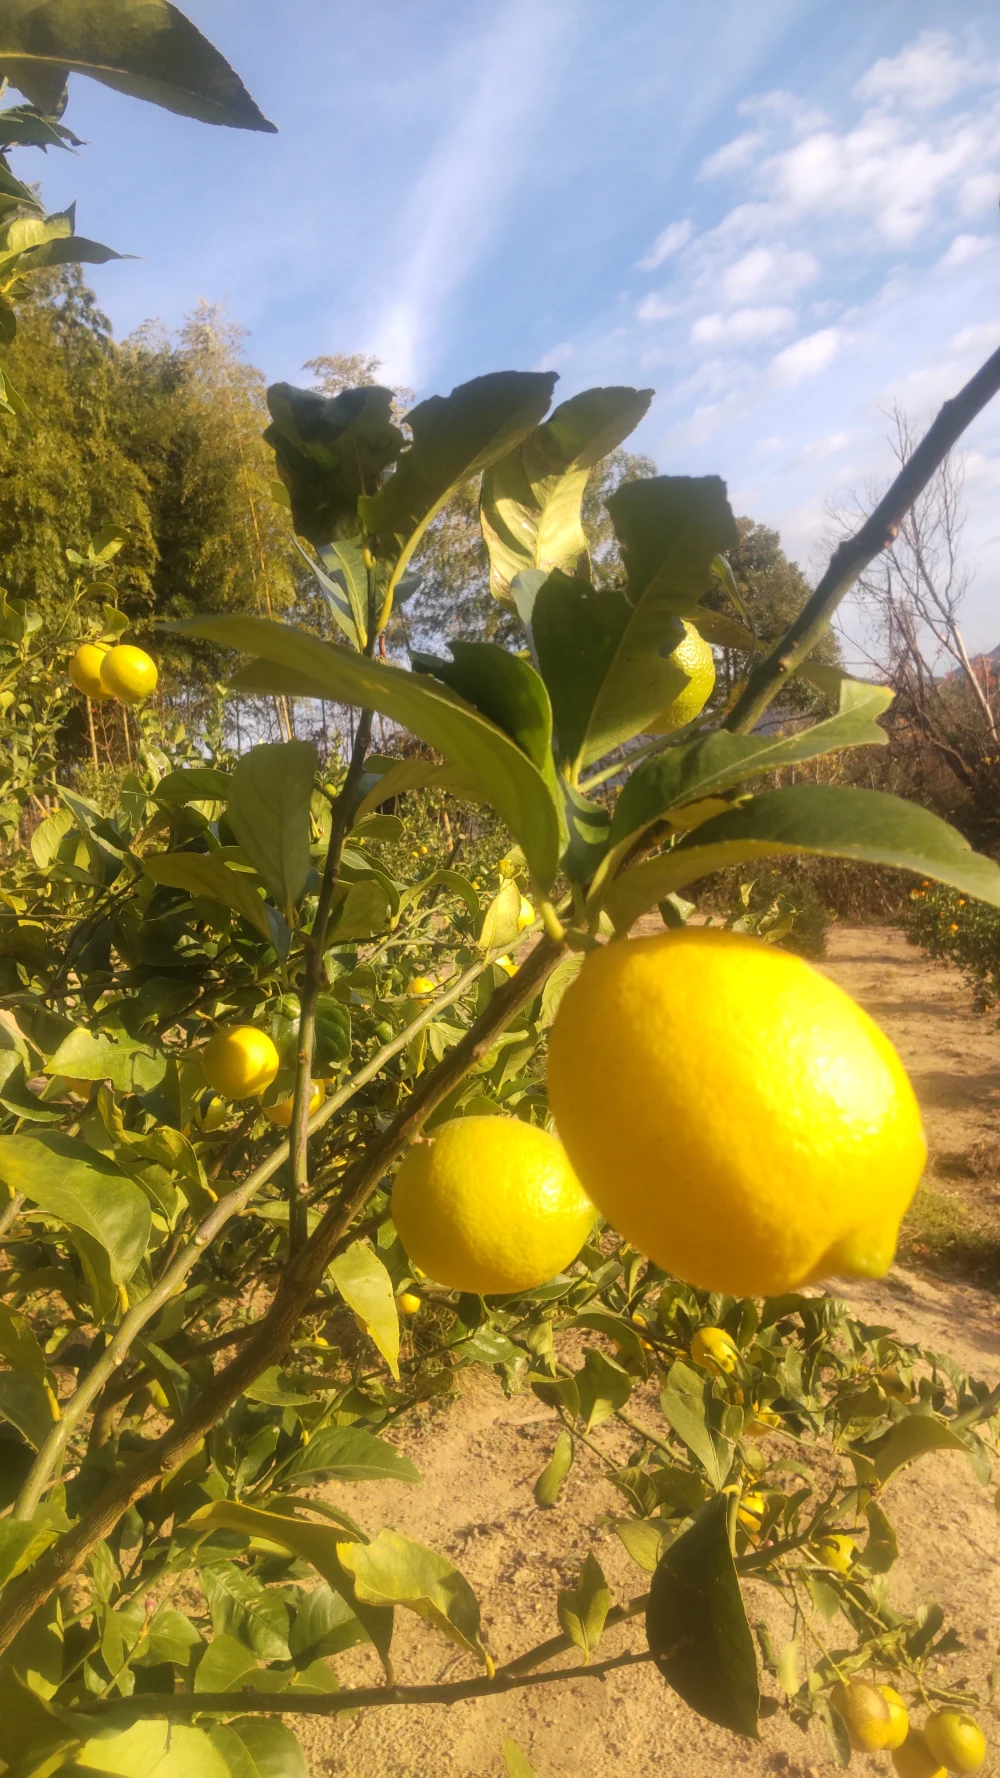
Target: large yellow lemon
x=240, y=1062
x=84, y=670
x=734, y=1114
x=128, y=673
x=714, y=1350
x=281, y=1112
x=695, y=656
x=956, y=1740
x=866, y=1715
x=490, y=1205
x=836, y=1550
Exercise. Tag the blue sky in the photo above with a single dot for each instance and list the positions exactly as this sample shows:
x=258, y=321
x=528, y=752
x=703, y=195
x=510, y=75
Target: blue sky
x=782, y=217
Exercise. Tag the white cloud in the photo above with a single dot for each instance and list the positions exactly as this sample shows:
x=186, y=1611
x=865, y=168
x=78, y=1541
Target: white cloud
x=965, y=248
x=742, y=326
x=675, y=236
x=769, y=271
x=559, y=355
x=732, y=156
x=982, y=338
x=653, y=308
x=924, y=75
x=807, y=357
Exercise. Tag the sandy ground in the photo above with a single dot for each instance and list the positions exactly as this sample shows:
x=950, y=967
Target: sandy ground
x=479, y=1460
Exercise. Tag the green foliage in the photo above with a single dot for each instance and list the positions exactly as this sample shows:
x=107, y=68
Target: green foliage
x=959, y=929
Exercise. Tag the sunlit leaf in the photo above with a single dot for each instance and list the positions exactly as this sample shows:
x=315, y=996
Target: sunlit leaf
x=366, y=1287
x=392, y=1570
x=202, y=873
x=76, y=1185
x=348, y=1454
x=582, y=1609
x=269, y=796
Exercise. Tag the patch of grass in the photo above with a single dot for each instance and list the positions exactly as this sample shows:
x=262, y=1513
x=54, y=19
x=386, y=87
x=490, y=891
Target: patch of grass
x=939, y=1233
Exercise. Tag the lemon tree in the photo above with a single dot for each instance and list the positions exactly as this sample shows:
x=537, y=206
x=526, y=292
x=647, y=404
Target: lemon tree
x=612, y=1172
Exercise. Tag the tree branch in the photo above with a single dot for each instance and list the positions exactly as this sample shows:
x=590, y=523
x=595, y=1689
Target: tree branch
x=853, y=555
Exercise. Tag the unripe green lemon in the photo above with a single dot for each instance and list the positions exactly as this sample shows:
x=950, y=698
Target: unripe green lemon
x=714, y=1350
x=915, y=1759
x=900, y=1717
x=836, y=1551
x=490, y=1205
x=866, y=1715
x=128, y=673
x=281, y=1112
x=733, y=1113
x=956, y=1740
x=85, y=670
x=695, y=656
x=240, y=1062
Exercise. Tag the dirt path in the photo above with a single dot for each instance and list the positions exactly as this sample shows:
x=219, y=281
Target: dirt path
x=480, y=1459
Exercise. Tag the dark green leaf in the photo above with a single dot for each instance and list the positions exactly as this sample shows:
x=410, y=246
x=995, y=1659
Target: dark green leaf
x=671, y=528
x=716, y=762
x=348, y=1454
x=881, y=1549
x=827, y=820
x=360, y=910
x=531, y=498
x=192, y=784
x=28, y=1728
x=73, y=1183
x=24, y=1402
x=146, y=48
x=503, y=688
x=264, y=1748
x=914, y=1436
x=577, y=633
x=505, y=776
x=697, y=1627
x=224, y=1665
x=269, y=798
x=454, y=437
x=603, y=1387
x=333, y=1032
x=329, y=451
x=67, y=250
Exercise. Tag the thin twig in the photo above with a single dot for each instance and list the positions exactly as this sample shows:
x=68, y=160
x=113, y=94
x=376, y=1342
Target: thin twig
x=853, y=555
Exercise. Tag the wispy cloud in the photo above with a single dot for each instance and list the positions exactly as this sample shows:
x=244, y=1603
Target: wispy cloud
x=675, y=236
x=458, y=203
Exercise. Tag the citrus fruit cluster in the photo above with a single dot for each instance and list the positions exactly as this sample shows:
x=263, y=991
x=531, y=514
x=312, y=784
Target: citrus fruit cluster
x=123, y=672
x=240, y=1062
x=876, y=1720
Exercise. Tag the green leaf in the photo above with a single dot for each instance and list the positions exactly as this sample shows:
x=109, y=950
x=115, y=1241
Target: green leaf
x=224, y=1665
x=556, y=1470
x=131, y=1067
x=66, y=250
x=579, y=639
x=18, y=1344
x=259, y=1747
x=697, y=1627
x=333, y=1032
x=29, y=1730
x=401, y=775
x=454, y=437
x=347, y=1454
x=531, y=499
x=684, y=1402
x=329, y=451
x=644, y=1539
x=583, y=1609
x=22, y=1542
x=24, y=1402
x=505, y=776
x=202, y=873
x=603, y=1387
x=916, y=1435
x=360, y=910
x=192, y=784
x=562, y=977
x=825, y=820
x=154, y=1748
x=269, y=798
x=716, y=762
x=671, y=528
x=392, y=1570
x=146, y=48
x=48, y=837
x=322, y=1545
x=881, y=1549
x=515, y=1762
x=503, y=688
x=366, y=1287
x=73, y=1183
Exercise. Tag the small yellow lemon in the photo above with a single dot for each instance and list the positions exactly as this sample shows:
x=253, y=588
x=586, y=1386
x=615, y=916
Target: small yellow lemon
x=836, y=1551
x=956, y=1740
x=695, y=656
x=900, y=1717
x=490, y=1205
x=733, y=1113
x=750, y=1512
x=420, y=987
x=915, y=1759
x=866, y=1715
x=281, y=1112
x=240, y=1062
x=507, y=965
x=526, y=914
x=409, y=1303
x=714, y=1350
x=128, y=673
x=84, y=670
